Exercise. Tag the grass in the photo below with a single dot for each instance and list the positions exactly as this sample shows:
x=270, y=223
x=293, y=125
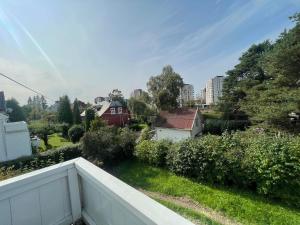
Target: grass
x=244, y=207
x=188, y=213
x=54, y=141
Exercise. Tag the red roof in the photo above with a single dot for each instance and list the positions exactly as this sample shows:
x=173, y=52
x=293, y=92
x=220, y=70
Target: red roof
x=178, y=119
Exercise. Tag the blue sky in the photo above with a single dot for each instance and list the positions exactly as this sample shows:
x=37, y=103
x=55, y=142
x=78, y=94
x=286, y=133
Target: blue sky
x=86, y=48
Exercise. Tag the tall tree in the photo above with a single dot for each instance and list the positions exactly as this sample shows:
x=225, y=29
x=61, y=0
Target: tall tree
x=116, y=95
x=15, y=112
x=43, y=103
x=76, y=112
x=266, y=83
x=89, y=116
x=165, y=88
x=65, y=114
x=246, y=74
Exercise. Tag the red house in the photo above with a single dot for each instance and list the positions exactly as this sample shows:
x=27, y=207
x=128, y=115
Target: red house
x=114, y=113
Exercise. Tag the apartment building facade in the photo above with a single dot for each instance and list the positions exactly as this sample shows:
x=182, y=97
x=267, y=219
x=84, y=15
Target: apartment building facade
x=186, y=94
x=214, y=88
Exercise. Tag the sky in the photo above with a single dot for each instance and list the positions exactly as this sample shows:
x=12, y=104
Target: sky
x=86, y=48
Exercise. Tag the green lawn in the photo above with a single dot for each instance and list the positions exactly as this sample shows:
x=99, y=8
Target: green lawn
x=54, y=141
x=188, y=213
x=243, y=207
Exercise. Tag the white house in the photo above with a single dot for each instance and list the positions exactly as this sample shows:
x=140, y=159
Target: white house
x=178, y=125
x=14, y=139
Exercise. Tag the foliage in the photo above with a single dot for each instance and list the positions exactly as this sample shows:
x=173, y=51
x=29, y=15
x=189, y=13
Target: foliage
x=153, y=152
x=245, y=207
x=165, y=88
x=146, y=134
x=42, y=129
x=14, y=110
x=89, y=117
x=65, y=114
x=44, y=159
x=140, y=110
x=54, y=141
x=116, y=95
x=109, y=144
x=218, y=126
x=97, y=123
x=76, y=112
x=265, y=83
x=75, y=133
x=268, y=164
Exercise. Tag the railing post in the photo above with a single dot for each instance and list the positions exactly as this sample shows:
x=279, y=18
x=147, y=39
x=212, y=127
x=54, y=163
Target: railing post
x=74, y=194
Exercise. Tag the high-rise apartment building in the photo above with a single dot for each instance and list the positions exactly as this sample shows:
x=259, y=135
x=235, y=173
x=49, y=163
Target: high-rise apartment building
x=136, y=93
x=214, y=88
x=186, y=94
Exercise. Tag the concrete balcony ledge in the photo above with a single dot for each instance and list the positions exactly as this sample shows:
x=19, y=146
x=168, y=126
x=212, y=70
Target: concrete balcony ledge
x=77, y=189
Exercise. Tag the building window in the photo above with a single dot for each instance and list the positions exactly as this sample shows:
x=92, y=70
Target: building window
x=112, y=110
x=120, y=110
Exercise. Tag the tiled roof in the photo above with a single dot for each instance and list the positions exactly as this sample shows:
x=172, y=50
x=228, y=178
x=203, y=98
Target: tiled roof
x=177, y=119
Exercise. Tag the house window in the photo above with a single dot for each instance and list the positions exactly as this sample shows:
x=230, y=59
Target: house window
x=120, y=110
x=112, y=110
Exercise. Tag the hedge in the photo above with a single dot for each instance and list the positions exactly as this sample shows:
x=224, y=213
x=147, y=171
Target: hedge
x=267, y=164
x=218, y=126
x=46, y=158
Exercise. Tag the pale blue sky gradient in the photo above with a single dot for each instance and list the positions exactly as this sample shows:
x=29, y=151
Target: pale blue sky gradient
x=85, y=48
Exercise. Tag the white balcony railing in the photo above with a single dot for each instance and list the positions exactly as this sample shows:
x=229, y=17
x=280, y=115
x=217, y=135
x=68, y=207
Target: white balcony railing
x=63, y=193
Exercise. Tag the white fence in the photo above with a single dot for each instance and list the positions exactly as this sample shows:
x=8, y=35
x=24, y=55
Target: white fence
x=65, y=192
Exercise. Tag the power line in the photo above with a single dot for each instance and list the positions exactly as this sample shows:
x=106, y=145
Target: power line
x=25, y=86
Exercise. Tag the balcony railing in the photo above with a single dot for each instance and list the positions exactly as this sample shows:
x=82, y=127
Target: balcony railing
x=77, y=189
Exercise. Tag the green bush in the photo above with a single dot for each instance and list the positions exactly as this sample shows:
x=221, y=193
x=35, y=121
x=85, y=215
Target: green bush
x=267, y=164
x=153, y=152
x=273, y=163
x=109, y=144
x=46, y=158
x=75, y=133
x=218, y=126
x=145, y=134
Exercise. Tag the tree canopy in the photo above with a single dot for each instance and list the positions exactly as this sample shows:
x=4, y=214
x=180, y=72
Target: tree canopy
x=65, y=114
x=76, y=112
x=15, y=112
x=265, y=85
x=165, y=88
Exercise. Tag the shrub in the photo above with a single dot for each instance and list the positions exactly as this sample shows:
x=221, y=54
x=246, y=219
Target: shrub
x=44, y=159
x=267, y=164
x=145, y=134
x=273, y=164
x=109, y=144
x=97, y=123
x=153, y=152
x=199, y=158
x=218, y=126
x=75, y=133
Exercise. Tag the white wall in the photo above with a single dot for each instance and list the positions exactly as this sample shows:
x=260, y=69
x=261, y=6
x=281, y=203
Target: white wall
x=14, y=140
x=171, y=134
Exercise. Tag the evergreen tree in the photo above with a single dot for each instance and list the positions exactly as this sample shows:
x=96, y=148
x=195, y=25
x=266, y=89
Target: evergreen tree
x=65, y=114
x=89, y=116
x=76, y=112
